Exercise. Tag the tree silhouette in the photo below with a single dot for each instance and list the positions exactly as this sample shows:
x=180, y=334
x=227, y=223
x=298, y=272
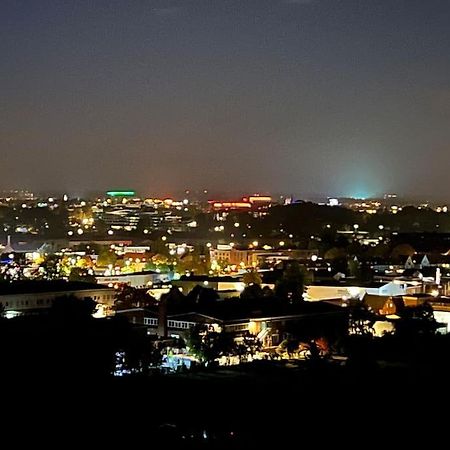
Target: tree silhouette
x=129, y=297
x=81, y=274
x=290, y=286
x=252, y=277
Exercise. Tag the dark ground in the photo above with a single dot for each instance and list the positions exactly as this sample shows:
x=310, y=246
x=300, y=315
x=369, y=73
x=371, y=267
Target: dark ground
x=264, y=405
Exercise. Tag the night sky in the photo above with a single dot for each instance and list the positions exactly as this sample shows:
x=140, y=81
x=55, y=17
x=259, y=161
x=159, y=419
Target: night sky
x=337, y=97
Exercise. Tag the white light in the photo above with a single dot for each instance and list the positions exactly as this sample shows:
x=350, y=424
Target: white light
x=209, y=244
x=353, y=291
x=164, y=238
x=185, y=201
x=356, y=226
x=146, y=231
x=236, y=224
x=205, y=283
x=80, y=231
x=314, y=258
x=110, y=232
x=70, y=232
x=281, y=243
x=11, y=256
x=381, y=227
x=255, y=243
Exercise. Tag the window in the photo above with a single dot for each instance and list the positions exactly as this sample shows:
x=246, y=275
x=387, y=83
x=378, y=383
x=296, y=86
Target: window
x=240, y=327
x=150, y=321
x=181, y=324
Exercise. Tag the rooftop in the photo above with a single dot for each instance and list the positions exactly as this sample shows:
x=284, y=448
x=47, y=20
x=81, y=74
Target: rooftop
x=34, y=286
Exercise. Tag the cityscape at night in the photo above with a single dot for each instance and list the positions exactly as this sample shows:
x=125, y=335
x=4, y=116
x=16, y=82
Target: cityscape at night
x=226, y=223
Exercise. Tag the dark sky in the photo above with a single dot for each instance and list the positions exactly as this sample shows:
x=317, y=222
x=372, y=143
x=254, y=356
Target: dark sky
x=340, y=97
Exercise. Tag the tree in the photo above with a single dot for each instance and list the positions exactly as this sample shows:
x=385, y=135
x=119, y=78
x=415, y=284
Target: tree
x=290, y=346
x=354, y=268
x=208, y=345
x=79, y=274
x=247, y=345
x=418, y=320
x=50, y=267
x=361, y=319
x=252, y=292
x=290, y=286
x=129, y=297
x=72, y=309
x=106, y=257
x=252, y=277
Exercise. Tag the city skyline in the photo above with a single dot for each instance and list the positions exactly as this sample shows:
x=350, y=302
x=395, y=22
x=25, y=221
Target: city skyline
x=316, y=97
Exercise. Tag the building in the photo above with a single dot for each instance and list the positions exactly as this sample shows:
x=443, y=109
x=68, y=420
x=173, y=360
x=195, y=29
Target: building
x=383, y=305
x=255, y=257
x=270, y=326
x=219, y=284
x=138, y=280
x=333, y=290
x=30, y=297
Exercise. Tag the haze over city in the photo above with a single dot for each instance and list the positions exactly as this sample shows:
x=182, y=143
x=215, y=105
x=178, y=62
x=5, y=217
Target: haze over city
x=305, y=97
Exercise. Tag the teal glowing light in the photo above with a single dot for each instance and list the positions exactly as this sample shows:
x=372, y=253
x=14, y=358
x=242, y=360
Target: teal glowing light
x=121, y=193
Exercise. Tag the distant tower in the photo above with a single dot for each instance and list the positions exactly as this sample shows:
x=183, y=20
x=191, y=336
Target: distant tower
x=409, y=263
x=425, y=262
x=162, y=316
x=8, y=248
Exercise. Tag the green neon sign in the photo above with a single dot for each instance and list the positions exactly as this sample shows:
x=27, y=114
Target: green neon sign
x=121, y=193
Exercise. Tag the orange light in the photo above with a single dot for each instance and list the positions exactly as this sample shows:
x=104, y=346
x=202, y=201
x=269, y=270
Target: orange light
x=262, y=199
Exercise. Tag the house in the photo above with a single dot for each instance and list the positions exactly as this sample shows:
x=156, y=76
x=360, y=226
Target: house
x=383, y=305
